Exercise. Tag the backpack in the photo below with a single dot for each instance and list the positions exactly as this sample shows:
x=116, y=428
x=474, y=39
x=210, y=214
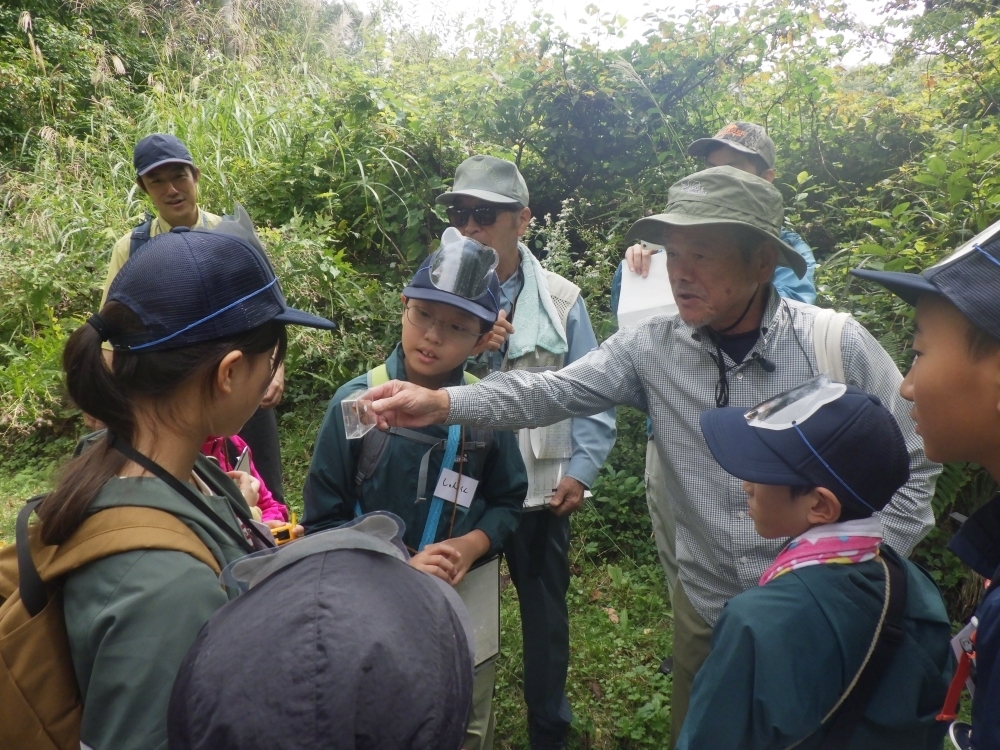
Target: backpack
x=39, y=696
x=140, y=235
x=374, y=443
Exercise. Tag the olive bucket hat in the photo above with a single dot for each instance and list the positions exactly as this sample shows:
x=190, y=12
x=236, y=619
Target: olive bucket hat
x=717, y=197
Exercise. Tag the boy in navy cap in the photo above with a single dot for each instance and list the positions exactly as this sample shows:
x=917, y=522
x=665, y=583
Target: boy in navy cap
x=450, y=307
x=954, y=385
x=844, y=644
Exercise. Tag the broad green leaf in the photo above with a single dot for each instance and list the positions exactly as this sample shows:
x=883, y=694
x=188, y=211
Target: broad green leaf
x=871, y=248
x=937, y=166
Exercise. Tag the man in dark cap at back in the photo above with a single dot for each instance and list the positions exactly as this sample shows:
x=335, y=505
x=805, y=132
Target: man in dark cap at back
x=377, y=655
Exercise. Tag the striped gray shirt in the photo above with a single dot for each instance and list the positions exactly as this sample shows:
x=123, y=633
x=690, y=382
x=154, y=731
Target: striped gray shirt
x=665, y=368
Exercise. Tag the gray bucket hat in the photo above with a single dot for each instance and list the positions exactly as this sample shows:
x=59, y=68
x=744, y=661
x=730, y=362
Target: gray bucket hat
x=747, y=137
x=488, y=178
x=720, y=196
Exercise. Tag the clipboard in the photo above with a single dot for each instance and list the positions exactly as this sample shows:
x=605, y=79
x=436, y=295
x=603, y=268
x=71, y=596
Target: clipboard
x=480, y=590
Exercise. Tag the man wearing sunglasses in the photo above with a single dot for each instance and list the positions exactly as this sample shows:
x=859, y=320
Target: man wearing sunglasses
x=544, y=324
x=734, y=342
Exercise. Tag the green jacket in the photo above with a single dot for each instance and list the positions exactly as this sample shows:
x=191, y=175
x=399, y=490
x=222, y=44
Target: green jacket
x=131, y=617
x=783, y=653
x=330, y=493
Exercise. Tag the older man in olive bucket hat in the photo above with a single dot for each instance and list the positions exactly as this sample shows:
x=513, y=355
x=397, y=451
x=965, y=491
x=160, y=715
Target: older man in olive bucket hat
x=733, y=342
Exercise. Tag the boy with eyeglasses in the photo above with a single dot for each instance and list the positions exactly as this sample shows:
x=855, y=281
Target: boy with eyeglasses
x=450, y=307
x=543, y=323
x=843, y=644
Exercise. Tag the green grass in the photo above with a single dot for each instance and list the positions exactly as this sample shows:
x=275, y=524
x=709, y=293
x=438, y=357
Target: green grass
x=28, y=470
x=620, y=627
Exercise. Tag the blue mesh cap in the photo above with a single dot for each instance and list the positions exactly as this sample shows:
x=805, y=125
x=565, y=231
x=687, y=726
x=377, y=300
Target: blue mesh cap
x=158, y=149
x=969, y=278
x=188, y=287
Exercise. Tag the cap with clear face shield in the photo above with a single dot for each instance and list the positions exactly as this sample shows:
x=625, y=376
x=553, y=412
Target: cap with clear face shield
x=796, y=405
x=818, y=434
x=462, y=265
x=460, y=273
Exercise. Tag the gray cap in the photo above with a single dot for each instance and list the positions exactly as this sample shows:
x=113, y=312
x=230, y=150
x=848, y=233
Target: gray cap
x=721, y=196
x=488, y=178
x=742, y=136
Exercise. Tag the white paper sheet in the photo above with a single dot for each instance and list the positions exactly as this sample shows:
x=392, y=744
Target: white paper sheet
x=554, y=441
x=642, y=298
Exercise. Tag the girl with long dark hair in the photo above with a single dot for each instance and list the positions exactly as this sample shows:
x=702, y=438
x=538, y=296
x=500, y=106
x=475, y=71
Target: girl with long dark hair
x=197, y=325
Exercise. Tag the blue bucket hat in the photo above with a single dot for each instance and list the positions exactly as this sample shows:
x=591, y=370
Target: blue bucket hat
x=190, y=286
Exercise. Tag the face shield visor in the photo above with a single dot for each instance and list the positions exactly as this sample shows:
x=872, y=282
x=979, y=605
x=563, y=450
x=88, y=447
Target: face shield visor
x=462, y=266
x=796, y=405
x=991, y=233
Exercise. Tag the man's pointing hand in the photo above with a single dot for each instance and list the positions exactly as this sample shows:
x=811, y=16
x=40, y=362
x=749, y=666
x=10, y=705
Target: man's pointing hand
x=399, y=404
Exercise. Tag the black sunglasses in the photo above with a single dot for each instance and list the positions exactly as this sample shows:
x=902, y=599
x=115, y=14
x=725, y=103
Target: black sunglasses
x=485, y=216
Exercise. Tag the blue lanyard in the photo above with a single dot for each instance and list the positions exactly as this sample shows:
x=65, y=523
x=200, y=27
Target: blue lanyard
x=437, y=503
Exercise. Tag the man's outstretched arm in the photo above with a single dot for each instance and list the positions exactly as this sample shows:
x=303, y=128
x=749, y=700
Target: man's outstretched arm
x=599, y=381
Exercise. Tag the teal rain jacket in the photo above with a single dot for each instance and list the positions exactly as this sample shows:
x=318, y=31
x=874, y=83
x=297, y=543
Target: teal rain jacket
x=783, y=653
x=330, y=493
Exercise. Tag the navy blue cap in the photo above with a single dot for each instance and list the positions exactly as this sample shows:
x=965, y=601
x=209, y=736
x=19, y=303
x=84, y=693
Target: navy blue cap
x=157, y=149
x=969, y=278
x=189, y=286
x=485, y=307
x=857, y=438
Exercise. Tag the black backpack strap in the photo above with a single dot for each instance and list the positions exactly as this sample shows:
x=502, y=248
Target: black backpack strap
x=34, y=595
x=232, y=455
x=140, y=235
x=889, y=635
x=192, y=497
x=374, y=443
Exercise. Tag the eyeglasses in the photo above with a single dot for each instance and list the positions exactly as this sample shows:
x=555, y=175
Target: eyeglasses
x=423, y=320
x=485, y=216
